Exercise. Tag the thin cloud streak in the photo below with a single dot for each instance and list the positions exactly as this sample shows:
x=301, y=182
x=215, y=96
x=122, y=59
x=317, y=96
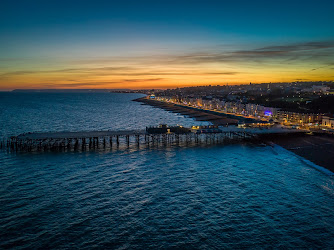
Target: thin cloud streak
x=116, y=71
x=106, y=83
x=309, y=51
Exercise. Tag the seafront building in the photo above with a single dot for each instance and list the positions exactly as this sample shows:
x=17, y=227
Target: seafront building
x=328, y=122
x=298, y=118
x=249, y=110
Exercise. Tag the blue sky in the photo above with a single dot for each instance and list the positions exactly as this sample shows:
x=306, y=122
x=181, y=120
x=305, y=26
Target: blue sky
x=55, y=34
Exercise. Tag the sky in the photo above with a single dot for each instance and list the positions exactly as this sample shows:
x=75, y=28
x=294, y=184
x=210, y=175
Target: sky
x=163, y=44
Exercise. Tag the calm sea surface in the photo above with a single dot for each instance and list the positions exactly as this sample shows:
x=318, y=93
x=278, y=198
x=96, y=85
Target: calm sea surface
x=232, y=196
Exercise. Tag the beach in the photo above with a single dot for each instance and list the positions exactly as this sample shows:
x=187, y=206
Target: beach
x=317, y=148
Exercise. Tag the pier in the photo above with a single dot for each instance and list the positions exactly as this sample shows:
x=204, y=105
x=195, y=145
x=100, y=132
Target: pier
x=108, y=140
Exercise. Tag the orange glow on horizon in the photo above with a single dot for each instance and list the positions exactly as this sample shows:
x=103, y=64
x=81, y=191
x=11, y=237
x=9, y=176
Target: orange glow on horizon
x=157, y=81
x=161, y=72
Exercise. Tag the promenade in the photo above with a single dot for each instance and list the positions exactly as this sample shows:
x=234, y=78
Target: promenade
x=216, y=118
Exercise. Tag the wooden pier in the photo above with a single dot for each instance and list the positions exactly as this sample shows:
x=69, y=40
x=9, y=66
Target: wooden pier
x=108, y=140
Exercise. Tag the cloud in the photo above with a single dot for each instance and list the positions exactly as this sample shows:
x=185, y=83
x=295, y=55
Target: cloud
x=69, y=70
x=79, y=84
x=119, y=71
x=326, y=66
x=306, y=51
x=319, y=50
x=142, y=80
x=302, y=46
x=17, y=73
x=95, y=84
x=222, y=73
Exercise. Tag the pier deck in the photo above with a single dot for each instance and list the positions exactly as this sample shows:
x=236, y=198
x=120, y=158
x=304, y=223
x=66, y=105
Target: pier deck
x=92, y=140
x=76, y=135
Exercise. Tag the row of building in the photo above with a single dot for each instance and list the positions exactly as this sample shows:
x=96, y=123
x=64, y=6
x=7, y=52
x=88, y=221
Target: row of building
x=250, y=110
x=328, y=122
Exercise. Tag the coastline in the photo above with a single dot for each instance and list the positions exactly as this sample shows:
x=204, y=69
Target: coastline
x=316, y=150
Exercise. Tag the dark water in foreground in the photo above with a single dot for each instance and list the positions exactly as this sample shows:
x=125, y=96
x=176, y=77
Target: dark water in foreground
x=231, y=196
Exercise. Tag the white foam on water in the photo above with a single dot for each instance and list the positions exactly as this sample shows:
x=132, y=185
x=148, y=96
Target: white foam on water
x=307, y=162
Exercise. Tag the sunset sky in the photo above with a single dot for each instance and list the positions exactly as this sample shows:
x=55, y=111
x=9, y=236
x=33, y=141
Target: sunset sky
x=163, y=44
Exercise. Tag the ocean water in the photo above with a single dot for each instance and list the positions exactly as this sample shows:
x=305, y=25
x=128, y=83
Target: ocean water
x=224, y=196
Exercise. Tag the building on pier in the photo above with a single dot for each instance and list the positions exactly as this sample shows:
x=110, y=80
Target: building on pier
x=164, y=129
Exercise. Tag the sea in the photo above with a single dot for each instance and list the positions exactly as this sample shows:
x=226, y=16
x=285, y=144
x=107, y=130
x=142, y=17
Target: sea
x=231, y=196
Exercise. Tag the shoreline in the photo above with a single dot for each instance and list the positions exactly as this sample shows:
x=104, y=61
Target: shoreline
x=317, y=149
x=306, y=161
